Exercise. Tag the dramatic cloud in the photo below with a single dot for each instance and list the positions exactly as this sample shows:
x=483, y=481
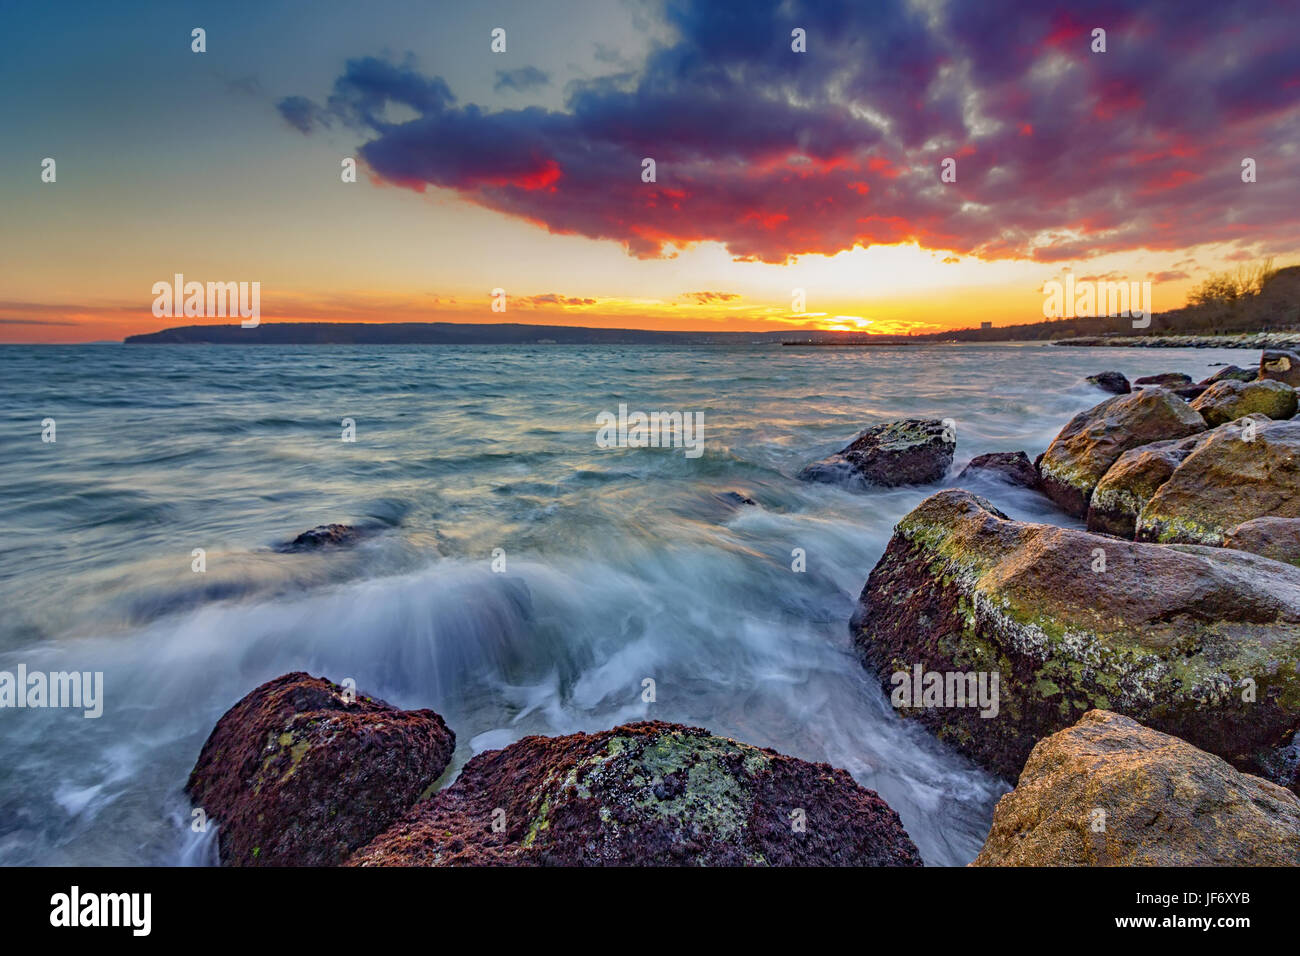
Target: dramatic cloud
x=1061, y=153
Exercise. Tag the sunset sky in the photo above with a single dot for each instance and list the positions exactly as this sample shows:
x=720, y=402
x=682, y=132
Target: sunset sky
x=776, y=170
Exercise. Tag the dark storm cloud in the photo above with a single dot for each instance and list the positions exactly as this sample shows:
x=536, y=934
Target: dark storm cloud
x=1061, y=153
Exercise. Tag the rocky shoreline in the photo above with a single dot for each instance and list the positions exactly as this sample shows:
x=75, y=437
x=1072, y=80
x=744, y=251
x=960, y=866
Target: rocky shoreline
x=1240, y=340
x=1138, y=681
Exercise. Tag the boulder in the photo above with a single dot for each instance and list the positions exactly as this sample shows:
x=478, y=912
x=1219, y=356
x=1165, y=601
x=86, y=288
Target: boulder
x=296, y=774
x=1234, y=373
x=1013, y=467
x=1190, y=392
x=1111, y=382
x=1111, y=792
x=1228, y=400
x=1276, y=538
x=323, y=536
x=1069, y=621
x=1280, y=365
x=1093, y=440
x=645, y=794
x=1131, y=482
x=1230, y=477
x=909, y=452
x=1165, y=380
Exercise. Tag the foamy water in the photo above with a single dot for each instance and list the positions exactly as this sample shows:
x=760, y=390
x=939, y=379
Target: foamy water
x=621, y=564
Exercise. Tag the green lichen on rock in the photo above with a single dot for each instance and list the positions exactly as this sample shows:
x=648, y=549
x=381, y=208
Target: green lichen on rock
x=1093, y=441
x=1248, y=468
x=1169, y=635
x=1228, y=400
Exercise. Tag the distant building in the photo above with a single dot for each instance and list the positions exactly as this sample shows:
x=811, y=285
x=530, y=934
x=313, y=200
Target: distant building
x=986, y=325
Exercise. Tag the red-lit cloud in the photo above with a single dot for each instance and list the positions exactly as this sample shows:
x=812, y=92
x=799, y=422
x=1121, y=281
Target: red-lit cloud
x=1061, y=153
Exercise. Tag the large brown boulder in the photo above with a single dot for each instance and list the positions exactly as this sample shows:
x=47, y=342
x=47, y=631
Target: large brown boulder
x=1228, y=400
x=1199, y=642
x=1131, y=482
x=915, y=451
x=1249, y=468
x=645, y=794
x=296, y=774
x=1111, y=792
x=1093, y=440
x=1281, y=366
x=1276, y=538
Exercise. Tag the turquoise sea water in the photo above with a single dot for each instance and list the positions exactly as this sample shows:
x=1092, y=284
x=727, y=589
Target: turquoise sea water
x=621, y=564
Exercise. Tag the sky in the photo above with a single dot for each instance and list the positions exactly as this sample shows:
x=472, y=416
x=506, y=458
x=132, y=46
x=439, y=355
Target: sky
x=523, y=170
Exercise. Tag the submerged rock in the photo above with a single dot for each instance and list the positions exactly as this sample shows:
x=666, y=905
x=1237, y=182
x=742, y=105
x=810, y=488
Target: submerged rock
x=1131, y=482
x=737, y=498
x=296, y=775
x=1083, y=452
x=1069, y=621
x=1249, y=468
x=915, y=451
x=1013, y=467
x=1111, y=382
x=645, y=794
x=1276, y=538
x=1280, y=365
x=323, y=536
x=1111, y=792
x=1228, y=400
x=1165, y=380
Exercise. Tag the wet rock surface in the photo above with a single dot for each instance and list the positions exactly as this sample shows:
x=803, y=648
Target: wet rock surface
x=914, y=451
x=296, y=775
x=1014, y=468
x=1113, y=382
x=1071, y=621
x=648, y=793
x=323, y=536
x=1110, y=792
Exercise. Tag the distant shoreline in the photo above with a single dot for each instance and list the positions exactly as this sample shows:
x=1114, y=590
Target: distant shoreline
x=452, y=333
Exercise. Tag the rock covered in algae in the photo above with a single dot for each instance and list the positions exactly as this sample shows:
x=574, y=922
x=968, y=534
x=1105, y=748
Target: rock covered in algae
x=915, y=451
x=648, y=793
x=1093, y=440
x=296, y=774
x=1199, y=642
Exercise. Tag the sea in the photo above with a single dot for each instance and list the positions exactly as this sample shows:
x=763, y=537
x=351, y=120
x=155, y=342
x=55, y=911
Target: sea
x=513, y=574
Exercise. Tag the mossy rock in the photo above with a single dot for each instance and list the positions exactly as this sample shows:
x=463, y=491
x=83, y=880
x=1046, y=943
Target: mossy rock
x=1131, y=482
x=1199, y=642
x=645, y=794
x=1249, y=468
x=1228, y=400
x=298, y=773
x=914, y=451
x=1085, y=449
